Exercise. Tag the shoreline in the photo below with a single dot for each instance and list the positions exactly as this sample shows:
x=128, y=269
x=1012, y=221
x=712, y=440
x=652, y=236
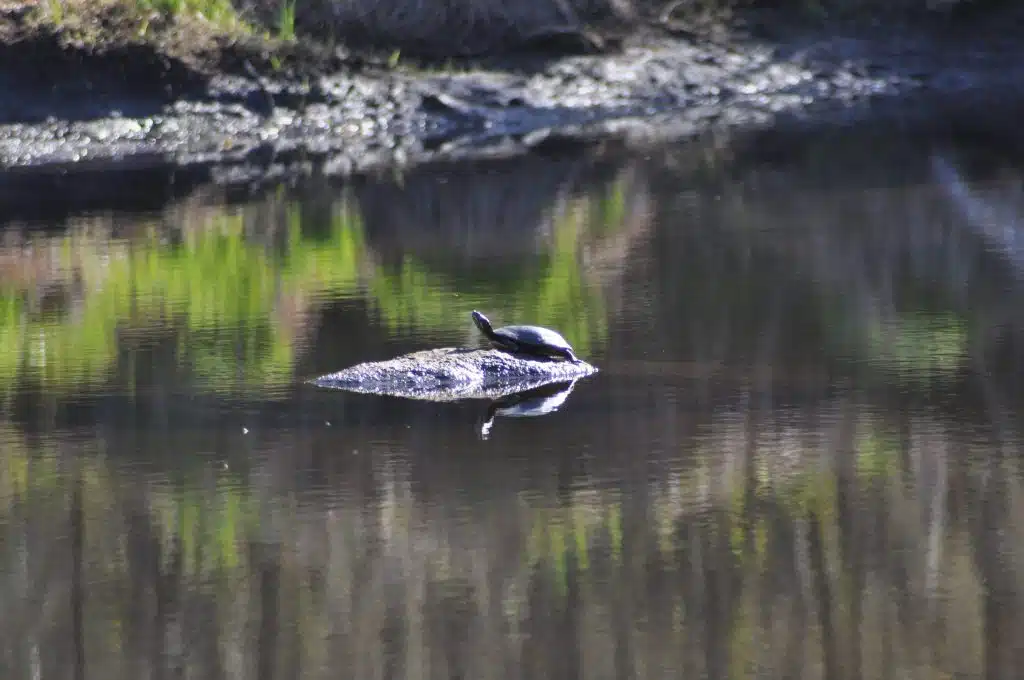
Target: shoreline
x=124, y=107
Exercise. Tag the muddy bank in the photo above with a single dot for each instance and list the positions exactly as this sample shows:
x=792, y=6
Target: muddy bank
x=338, y=113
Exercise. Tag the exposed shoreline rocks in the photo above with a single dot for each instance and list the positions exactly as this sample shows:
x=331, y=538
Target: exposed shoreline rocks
x=340, y=114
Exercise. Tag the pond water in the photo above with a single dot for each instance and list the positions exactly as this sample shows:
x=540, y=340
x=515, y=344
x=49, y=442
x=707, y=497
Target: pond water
x=800, y=459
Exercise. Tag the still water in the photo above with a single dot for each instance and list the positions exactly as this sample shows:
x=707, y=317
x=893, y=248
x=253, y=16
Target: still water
x=801, y=457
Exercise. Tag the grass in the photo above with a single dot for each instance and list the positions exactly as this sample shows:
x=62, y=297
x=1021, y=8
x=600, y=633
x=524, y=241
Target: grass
x=218, y=12
x=286, y=20
x=198, y=32
x=55, y=10
x=187, y=29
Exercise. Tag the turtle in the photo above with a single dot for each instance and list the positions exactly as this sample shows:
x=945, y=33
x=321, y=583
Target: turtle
x=534, y=340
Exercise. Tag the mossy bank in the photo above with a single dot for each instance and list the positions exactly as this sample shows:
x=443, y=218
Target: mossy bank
x=345, y=85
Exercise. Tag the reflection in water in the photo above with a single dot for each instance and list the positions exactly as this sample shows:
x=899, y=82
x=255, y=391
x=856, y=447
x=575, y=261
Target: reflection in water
x=518, y=239
x=996, y=213
x=530, y=404
x=801, y=458
x=216, y=282
x=73, y=304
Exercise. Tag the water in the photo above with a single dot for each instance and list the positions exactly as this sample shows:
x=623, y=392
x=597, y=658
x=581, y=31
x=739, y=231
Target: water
x=800, y=459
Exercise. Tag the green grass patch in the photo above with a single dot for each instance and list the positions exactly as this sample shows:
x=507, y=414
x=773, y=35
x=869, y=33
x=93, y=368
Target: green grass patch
x=187, y=29
x=286, y=20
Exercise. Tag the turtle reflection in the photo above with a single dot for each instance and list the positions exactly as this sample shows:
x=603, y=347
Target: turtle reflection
x=529, y=404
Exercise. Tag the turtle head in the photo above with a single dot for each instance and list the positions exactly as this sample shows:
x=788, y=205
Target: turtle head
x=482, y=323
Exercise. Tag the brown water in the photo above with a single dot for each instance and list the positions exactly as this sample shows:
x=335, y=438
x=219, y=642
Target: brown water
x=801, y=457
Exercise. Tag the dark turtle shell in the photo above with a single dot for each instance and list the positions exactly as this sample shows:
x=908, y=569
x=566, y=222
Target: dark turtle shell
x=525, y=339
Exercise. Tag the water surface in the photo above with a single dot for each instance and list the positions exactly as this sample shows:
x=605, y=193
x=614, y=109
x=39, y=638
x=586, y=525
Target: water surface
x=800, y=459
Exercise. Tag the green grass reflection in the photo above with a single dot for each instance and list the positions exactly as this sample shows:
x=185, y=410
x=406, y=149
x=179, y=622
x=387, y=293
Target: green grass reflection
x=233, y=300
x=221, y=294
x=552, y=291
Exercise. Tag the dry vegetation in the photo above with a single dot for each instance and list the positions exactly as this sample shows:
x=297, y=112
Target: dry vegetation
x=192, y=28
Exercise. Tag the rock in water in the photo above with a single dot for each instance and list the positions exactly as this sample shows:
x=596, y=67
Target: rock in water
x=451, y=374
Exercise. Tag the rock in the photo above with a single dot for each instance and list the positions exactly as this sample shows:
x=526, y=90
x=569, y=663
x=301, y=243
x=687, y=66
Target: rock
x=452, y=374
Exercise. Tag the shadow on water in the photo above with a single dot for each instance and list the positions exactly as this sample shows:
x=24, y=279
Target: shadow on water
x=801, y=458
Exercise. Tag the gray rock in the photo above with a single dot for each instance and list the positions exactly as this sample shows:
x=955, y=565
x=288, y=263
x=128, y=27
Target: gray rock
x=452, y=374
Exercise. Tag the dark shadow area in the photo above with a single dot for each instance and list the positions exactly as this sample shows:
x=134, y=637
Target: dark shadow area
x=44, y=77
x=481, y=211
x=49, y=196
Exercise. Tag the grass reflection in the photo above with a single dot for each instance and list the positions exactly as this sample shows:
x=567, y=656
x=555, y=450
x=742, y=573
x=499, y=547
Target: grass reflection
x=234, y=308
x=217, y=292
x=553, y=290
x=773, y=534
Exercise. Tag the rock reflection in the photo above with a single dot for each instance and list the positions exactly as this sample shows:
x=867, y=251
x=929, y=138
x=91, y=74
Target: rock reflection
x=492, y=211
x=996, y=212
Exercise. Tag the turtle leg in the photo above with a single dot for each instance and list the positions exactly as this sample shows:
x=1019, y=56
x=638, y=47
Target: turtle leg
x=568, y=355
